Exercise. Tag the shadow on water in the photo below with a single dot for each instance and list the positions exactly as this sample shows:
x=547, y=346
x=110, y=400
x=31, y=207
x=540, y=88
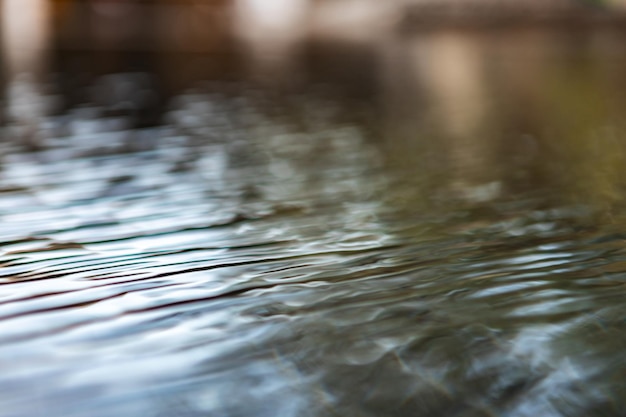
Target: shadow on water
x=312, y=222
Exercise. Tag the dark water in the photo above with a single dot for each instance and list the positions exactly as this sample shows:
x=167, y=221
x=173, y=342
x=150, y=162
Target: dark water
x=441, y=235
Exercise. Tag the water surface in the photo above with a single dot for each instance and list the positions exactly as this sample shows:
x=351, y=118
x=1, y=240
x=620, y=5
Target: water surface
x=442, y=235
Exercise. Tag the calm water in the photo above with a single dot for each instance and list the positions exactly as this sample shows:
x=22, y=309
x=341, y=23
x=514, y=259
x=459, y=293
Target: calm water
x=432, y=226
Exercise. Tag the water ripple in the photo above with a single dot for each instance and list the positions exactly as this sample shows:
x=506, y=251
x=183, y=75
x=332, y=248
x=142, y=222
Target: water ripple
x=281, y=275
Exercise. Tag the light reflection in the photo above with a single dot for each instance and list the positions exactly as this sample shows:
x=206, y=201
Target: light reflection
x=270, y=32
x=277, y=17
x=618, y=4
x=345, y=20
x=435, y=85
x=450, y=66
x=25, y=33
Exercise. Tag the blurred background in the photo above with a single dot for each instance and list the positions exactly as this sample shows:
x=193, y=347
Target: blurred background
x=492, y=81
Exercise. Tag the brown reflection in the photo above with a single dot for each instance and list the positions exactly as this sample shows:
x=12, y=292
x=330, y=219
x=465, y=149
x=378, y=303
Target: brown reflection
x=114, y=24
x=177, y=42
x=193, y=26
x=194, y=42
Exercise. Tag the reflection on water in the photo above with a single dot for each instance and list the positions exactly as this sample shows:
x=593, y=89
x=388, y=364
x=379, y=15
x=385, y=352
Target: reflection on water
x=441, y=235
x=271, y=32
x=25, y=32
